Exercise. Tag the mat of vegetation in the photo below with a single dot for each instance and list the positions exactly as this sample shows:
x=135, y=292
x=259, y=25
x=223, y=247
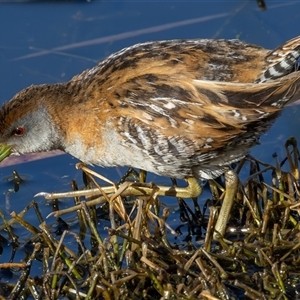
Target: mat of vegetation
x=257, y=258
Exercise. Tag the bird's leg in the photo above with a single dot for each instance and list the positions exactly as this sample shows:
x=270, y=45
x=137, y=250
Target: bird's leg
x=193, y=189
x=231, y=185
x=125, y=189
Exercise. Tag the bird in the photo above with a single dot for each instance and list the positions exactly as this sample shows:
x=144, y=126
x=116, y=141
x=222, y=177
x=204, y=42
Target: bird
x=177, y=108
x=185, y=109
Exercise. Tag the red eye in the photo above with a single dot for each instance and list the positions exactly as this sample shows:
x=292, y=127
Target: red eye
x=19, y=131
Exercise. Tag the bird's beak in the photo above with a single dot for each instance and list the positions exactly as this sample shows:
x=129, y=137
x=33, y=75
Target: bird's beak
x=5, y=151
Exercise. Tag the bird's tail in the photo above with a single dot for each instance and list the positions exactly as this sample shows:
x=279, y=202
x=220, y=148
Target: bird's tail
x=282, y=61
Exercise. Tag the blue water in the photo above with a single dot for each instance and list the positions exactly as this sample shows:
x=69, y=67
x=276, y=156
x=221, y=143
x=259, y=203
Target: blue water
x=52, y=42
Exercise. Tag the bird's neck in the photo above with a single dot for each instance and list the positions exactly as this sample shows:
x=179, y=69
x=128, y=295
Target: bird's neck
x=74, y=113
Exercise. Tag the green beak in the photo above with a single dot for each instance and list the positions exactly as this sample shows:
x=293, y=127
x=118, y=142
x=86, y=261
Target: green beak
x=4, y=151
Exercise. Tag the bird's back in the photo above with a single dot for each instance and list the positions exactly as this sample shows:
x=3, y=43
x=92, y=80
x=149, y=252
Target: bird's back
x=203, y=59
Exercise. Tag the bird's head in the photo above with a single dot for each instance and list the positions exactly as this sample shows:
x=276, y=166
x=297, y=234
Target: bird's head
x=26, y=125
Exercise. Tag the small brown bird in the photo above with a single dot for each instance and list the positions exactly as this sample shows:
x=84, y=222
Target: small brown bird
x=178, y=108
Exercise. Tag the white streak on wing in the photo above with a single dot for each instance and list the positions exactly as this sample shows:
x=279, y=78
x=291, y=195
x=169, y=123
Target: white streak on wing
x=236, y=113
x=142, y=137
x=189, y=121
x=161, y=147
x=273, y=72
x=285, y=65
x=146, y=116
x=163, y=113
